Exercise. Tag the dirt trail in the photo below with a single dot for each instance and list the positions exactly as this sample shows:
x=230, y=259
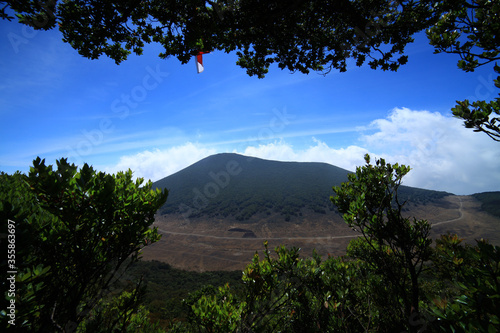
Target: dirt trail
x=253, y=239
x=460, y=212
x=460, y=217
x=207, y=245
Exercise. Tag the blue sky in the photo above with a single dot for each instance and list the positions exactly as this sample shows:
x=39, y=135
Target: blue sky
x=157, y=116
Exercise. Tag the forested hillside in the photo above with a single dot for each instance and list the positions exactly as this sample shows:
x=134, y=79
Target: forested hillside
x=490, y=202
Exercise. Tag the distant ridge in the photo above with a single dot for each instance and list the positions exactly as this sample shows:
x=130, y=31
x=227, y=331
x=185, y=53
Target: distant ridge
x=239, y=187
x=490, y=202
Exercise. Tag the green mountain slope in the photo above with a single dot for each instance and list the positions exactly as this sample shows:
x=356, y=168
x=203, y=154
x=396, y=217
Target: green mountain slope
x=237, y=186
x=490, y=202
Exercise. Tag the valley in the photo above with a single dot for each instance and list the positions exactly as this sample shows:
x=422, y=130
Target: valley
x=222, y=209
x=207, y=244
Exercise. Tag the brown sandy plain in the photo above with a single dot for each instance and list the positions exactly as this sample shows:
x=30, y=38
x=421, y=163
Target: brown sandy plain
x=199, y=244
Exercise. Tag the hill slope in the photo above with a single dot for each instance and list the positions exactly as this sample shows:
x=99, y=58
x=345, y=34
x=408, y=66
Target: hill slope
x=221, y=209
x=237, y=186
x=490, y=202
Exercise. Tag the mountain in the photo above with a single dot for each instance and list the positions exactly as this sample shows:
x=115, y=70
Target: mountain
x=237, y=186
x=221, y=209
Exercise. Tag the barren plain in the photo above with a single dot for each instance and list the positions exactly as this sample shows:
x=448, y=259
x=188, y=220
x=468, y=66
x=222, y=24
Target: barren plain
x=207, y=244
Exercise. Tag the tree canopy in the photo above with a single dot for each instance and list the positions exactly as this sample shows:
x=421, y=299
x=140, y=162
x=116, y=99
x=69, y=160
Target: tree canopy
x=76, y=230
x=369, y=203
x=469, y=28
x=298, y=35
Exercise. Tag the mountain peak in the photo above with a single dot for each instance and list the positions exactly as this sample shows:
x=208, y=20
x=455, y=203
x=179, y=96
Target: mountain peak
x=240, y=187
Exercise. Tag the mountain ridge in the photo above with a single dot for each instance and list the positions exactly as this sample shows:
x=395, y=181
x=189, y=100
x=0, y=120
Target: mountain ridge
x=238, y=186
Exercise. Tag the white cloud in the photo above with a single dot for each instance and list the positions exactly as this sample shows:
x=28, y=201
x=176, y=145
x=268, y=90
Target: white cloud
x=347, y=158
x=279, y=151
x=158, y=164
x=442, y=153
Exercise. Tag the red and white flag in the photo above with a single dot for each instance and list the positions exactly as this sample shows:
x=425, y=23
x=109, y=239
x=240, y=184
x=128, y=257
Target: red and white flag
x=199, y=61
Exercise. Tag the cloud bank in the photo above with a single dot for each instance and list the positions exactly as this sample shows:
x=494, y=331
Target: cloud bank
x=157, y=164
x=442, y=153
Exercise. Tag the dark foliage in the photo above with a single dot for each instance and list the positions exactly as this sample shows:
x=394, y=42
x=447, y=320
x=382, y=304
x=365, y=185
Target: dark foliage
x=166, y=287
